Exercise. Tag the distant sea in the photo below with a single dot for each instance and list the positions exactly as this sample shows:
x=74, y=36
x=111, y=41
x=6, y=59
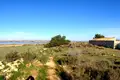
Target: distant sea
x=22, y=42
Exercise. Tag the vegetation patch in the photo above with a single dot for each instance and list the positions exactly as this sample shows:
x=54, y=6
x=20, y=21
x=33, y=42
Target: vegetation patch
x=57, y=41
x=12, y=56
x=73, y=61
x=28, y=56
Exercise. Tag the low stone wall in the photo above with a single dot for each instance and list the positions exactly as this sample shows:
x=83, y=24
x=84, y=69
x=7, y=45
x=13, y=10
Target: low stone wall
x=109, y=44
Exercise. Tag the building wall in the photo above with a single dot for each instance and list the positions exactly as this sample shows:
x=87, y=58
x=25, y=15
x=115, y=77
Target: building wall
x=110, y=44
x=117, y=42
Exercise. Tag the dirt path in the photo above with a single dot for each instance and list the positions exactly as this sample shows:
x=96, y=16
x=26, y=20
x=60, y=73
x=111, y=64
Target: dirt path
x=33, y=71
x=51, y=70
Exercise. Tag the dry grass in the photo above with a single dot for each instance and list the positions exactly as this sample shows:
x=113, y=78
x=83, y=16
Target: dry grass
x=76, y=61
x=85, y=60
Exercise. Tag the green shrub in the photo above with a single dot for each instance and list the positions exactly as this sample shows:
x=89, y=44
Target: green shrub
x=42, y=58
x=2, y=77
x=12, y=56
x=15, y=75
x=63, y=74
x=57, y=41
x=28, y=56
x=42, y=74
x=99, y=36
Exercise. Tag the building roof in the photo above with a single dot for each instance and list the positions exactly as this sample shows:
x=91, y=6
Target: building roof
x=104, y=39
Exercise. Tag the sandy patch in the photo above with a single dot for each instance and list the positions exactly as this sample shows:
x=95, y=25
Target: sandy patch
x=37, y=63
x=51, y=63
x=51, y=72
x=34, y=73
x=10, y=45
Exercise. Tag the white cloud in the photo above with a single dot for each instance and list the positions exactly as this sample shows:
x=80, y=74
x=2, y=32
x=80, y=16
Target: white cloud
x=84, y=35
x=19, y=36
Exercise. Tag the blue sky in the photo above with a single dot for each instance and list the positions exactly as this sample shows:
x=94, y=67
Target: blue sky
x=42, y=19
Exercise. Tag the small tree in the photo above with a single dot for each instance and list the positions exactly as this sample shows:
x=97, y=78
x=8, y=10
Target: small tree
x=99, y=36
x=57, y=41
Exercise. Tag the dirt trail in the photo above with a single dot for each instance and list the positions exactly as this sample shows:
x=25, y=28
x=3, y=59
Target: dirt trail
x=51, y=70
x=33, y=71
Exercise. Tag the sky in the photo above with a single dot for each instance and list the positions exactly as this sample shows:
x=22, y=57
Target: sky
x=43, y=19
